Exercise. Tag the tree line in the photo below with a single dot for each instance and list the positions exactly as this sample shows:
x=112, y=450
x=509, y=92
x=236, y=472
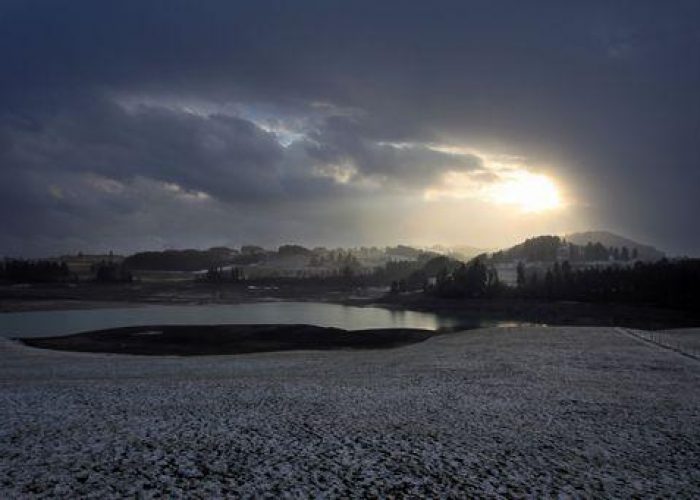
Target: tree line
x=51, y=271
x=548, y=249
x=178, y=260
x=665, y=283
x=34, y=271
x=672, y=284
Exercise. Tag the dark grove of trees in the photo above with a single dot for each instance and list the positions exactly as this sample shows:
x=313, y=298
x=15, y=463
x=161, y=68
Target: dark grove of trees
x=34, y=271
x=49, y=271
x=406, y=275
x=217, y=274
x=471, y=280
x=674, y=284
x=111, y=272
x=291, y=250
x=178, y=260
x=546, y=248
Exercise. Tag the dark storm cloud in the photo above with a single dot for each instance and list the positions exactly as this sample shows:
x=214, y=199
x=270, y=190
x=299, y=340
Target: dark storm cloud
x=342, y=140
x=603, y=93
x=199, y=153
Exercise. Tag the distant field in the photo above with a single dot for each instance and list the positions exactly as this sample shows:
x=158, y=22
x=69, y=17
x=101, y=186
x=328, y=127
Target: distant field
x=540, y=412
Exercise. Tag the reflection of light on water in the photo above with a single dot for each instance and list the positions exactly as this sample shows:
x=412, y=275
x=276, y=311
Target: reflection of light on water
x=518, y=324
x=413, y=319
x=47, y=323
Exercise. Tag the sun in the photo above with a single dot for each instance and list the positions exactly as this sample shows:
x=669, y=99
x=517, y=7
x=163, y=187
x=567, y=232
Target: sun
x=508, y=185
x=528, y=191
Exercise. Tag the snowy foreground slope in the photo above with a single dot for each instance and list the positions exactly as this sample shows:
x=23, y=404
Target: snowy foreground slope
x=522, y=411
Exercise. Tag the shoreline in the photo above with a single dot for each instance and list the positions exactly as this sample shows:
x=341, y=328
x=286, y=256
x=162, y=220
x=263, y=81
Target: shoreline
x=536, y=311
x=551, y=313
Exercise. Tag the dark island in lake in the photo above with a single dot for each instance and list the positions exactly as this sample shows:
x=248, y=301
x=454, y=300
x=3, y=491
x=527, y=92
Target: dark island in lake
x=198, y=340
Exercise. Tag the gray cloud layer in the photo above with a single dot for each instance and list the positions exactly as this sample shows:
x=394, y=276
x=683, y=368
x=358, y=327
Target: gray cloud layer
x=602, y=93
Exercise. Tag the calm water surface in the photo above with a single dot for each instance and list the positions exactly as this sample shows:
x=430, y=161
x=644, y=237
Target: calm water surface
x=47, y=323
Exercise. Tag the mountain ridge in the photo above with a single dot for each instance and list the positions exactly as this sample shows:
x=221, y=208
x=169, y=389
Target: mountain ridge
x=610, y=239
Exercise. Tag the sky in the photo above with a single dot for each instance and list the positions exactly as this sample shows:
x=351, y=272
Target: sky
x=131, y=125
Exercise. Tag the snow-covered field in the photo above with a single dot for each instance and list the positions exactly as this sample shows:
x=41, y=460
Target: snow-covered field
x=687, y=339
x=510, y=412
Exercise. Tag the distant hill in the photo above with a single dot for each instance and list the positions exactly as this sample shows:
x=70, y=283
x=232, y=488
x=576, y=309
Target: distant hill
x=593, y=246
x=539, y=249
x=466, y=252
x=608, y=239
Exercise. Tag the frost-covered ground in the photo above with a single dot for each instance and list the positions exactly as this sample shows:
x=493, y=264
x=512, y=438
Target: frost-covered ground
x=687, y=339
x=513, y=412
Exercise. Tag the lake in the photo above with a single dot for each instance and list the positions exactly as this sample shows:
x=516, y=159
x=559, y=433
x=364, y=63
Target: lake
x=48, y=323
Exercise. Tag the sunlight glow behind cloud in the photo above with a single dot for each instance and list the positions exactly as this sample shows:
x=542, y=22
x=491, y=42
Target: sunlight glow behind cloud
x=527, y=191
x=505, y=180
